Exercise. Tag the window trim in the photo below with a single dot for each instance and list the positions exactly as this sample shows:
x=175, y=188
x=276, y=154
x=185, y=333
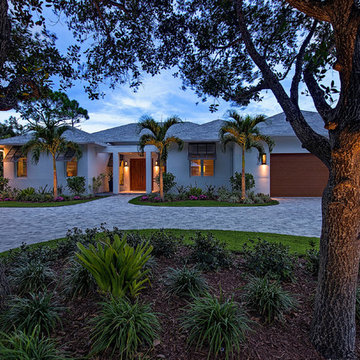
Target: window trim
x=16, y=163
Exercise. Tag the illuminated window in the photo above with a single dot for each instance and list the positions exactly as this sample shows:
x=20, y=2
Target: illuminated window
x=21, y=167
x=202, y=167
x=195, y=167
x=71, y=168
x=208, y=167
x=121, y=172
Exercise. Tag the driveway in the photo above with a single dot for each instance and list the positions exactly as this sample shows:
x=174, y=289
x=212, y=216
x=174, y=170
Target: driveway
x=294, y=216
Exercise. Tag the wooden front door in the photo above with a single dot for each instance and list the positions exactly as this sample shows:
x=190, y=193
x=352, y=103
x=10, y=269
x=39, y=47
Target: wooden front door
x=137, y=175
x=297, y=175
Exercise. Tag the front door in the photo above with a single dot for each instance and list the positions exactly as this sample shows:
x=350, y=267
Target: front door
x=137, y=174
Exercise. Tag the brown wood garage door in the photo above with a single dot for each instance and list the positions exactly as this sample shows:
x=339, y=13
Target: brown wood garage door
x=297, y=175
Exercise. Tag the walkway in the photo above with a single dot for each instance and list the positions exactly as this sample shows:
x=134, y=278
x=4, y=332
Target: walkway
x=295, y=216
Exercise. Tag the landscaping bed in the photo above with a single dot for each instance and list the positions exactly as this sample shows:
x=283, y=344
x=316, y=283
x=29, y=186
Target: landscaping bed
x=227, y=275
x=61, y=202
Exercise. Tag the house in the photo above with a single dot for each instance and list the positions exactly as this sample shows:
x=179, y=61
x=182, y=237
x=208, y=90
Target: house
x=289, y=170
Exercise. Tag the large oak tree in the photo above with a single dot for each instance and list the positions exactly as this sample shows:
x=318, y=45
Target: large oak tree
x=234, y=49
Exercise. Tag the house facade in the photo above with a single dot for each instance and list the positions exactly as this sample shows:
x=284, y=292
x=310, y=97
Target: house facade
x=288, y=171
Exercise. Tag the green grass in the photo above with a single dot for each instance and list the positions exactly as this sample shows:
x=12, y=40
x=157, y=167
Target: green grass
x=195, y=203
x=21, y=204
x=234, y=239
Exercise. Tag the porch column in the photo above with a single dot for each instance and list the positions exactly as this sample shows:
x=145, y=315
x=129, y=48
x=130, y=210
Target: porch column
x=148, y=172
x=116, y=165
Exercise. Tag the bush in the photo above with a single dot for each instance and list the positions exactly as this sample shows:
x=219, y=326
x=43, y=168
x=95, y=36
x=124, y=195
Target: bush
x=22, y=346
x=168, y=181
x=219, y=324
x=26, y=314
x=268, y=298
x=124, y=327
x=164, y=243
x=26, y=194
x=211, y=192
x=312, y=258
x=235, y=181
x=31, y=276
x=269, y=259
x=209, y=253
x=185, y=282
x=116, y=267
x=194, y=191
x=76, y=184
x=78, y=281
x=223, y=193
x=4, y=183
x=97, y=182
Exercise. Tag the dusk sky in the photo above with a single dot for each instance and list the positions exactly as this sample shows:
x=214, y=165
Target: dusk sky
x=159, y=96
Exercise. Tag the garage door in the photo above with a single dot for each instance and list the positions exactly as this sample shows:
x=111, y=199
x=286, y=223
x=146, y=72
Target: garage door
x=297, y=175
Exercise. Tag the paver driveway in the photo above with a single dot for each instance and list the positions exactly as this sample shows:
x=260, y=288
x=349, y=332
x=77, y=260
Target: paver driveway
x=295, y=216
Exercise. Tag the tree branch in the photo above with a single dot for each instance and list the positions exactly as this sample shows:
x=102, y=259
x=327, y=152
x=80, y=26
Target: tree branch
x=312, y=8
x=294, y=90
x=244, y=95
x=312, y=141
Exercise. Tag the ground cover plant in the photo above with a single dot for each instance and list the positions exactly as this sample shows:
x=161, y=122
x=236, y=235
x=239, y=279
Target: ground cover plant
x=168, y=297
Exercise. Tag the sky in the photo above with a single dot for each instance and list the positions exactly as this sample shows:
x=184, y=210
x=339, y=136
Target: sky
x=160, y=97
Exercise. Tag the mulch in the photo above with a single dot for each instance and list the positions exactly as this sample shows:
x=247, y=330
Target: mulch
x=280, y=340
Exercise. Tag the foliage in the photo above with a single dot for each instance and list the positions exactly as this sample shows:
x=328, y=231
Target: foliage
x=116, y=267
x=209, y=253
x=220, y=324
x=124, y=327
x=312, y=258
x=11, y=127
x=268, y=298
x=4, y=182
x=269, y=259
x=31, y=276
x=76, y=184
x=78, y=281
x=97, y=182
x=168, y=181
x=4, y=285
x=235, y=181
x=185, y=282
x=357, y=309
x=164, y=243
x=21, y=345
x=194, y=191
x=25, y=194
x=210, y=192
x=37, y=310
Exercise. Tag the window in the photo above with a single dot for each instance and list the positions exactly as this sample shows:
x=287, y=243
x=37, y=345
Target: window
x=201, y=167
x=71, y=168
x=121, y=173
x=21, y=167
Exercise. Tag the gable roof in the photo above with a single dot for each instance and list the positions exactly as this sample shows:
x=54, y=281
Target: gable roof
x=72, y=134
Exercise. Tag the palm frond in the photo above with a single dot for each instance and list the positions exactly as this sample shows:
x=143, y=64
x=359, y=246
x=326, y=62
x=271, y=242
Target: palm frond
x=148, y=139
x=148, y=123
x=176, y=140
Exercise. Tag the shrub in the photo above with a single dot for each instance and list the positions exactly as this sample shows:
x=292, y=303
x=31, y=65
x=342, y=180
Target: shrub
x=182, y=192
x=97, y=182
x=219, y=324
x=235, y=181
x=116, y=267
x=124, y=327
x=31, y=276
x=312, y=258
x=164, y=243
x=168, y=181
x=268, y=298
x=185, y=282
x=223, y=194
x=270, y=259
x=76, y=184
x=209, y=253
x=4, y=286
x=26, y=194
x=27, y=313
x=4, y=183
x=210, y=192
x=22, y=346
x=78, y=281
x=194, y=191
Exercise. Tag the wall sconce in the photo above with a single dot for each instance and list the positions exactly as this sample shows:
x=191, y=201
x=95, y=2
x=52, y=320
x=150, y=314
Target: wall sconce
x=263, y=159
x=126, y=164
x=156, y=163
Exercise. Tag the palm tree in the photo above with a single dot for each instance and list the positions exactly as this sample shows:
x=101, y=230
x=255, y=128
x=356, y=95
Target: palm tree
x=158, y=138
x=48, y=138
x=243, y=131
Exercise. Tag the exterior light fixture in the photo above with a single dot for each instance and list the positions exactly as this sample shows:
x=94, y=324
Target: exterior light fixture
x=263, y=159
x=126, y=164
x=156, y=163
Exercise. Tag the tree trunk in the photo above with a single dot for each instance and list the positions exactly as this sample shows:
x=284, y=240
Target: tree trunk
x=243, y=187
x=161, y=185
x=333, y=328
x=54, y=177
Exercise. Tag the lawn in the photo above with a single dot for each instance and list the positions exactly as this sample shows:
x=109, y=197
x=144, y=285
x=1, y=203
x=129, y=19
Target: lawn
x=195, y=203
x=22, y=204
x=234, y=239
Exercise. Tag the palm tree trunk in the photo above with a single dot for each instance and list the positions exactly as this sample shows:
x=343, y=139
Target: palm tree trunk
x=55, y=177
x=161, y=180
x=243, y=193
